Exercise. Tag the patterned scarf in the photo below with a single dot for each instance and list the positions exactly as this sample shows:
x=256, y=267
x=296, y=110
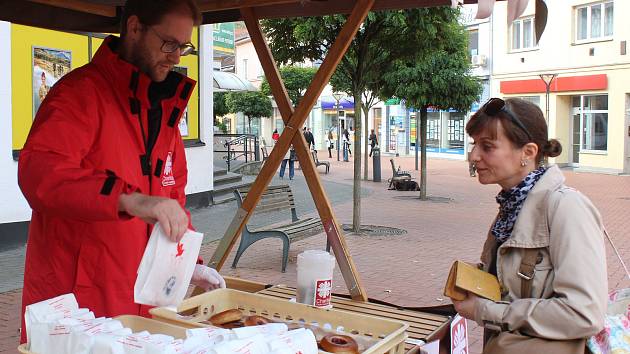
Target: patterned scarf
x=511, y=202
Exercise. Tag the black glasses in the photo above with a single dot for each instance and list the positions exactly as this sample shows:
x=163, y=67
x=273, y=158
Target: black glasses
x=496, y=105
x=172, y=46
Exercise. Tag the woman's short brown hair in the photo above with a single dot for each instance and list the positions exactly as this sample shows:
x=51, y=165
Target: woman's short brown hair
x=530, y=116
x=151, y=12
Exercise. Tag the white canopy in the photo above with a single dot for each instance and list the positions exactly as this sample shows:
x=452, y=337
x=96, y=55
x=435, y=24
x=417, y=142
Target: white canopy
x=224, y=81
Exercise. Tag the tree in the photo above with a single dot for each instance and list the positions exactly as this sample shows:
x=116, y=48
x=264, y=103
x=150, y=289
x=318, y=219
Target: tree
x=438, y=77
x=219, y=106
x=384, y=37
x=251, y=104
x=375, y=45
x=296, y=80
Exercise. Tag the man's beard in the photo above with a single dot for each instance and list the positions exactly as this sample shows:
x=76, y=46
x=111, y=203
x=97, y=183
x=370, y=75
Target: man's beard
x=140, y=57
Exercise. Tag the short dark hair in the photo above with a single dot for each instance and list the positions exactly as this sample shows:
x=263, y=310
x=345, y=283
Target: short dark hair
x=151, y=12
x=532, y=118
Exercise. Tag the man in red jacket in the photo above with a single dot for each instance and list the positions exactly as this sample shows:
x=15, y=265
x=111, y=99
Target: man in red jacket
x=105, y=160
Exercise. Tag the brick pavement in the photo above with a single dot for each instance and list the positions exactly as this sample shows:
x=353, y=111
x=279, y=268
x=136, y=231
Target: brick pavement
x=407, y=269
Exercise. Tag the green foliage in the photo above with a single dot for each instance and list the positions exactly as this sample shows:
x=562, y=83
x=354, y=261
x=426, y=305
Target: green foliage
x=220, y=108
x=296, y=80
x=437, y=76
x=252, y=104
x=222, y=127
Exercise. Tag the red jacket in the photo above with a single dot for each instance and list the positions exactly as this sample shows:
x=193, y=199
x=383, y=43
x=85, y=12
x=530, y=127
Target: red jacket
x=83, y=151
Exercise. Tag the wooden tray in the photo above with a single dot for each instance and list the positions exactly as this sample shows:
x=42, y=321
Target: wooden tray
x=423, y=326
x=388, y=336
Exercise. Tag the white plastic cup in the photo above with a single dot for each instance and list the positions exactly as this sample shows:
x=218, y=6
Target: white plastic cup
x=314, y=278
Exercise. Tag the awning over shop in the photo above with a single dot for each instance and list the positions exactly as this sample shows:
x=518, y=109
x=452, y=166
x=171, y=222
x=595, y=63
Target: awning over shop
x=328, y=102
x=224, y=81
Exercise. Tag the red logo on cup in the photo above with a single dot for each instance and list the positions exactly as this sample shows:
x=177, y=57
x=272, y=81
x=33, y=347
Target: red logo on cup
x=323, y=289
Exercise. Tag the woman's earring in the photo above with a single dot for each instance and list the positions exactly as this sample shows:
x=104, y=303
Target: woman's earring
x=523, y=163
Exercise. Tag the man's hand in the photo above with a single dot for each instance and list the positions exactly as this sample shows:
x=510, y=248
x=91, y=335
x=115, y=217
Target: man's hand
x=467, y=307
x=207, y=278
x=168, y=212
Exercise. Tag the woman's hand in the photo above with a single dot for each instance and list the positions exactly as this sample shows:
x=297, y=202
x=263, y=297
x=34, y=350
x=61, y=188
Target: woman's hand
x=467, y=307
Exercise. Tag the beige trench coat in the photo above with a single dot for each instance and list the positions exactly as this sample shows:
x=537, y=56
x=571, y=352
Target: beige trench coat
x=570, y=285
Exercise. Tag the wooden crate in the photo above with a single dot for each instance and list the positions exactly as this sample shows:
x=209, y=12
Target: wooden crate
x=423, y=326
x=388, y=336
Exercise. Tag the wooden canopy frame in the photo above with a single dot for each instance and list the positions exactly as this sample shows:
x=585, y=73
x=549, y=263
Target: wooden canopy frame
x=104, y=15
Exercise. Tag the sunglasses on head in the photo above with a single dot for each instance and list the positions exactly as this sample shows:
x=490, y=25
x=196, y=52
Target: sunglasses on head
x=496, y=105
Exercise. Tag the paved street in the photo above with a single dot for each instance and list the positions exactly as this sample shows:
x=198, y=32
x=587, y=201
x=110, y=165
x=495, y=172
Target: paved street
x=407, y=269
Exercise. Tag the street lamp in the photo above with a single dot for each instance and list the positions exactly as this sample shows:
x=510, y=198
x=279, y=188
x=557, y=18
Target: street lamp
x=547, y=79
x=338, y=96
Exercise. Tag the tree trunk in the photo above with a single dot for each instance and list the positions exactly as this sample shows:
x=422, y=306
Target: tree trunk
x=423, y=145
x=366, y=158
x=356, y=188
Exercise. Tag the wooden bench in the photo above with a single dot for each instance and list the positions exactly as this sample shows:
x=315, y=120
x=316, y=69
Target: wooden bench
x=320, y=163
x=275, y=199
x=397, y=175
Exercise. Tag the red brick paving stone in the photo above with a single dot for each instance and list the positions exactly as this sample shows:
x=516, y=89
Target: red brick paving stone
x=10, y=308
x=410, y=269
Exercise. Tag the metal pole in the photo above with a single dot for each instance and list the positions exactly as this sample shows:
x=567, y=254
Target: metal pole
x=338, y=132
x=547, y=101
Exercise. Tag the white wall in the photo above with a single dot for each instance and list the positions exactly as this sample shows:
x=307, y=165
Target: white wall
x=557, y=50
x=200, y=159
x=13, y=206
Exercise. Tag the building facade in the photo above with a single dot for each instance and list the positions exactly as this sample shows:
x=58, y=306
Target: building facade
x=584, y=50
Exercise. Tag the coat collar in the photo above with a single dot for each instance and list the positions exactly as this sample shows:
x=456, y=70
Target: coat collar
x=531, y=229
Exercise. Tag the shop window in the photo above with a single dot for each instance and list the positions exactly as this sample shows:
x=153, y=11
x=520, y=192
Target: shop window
x=594, y=21
x=593, y=122
x=433, y=129
x=473, y=42
x=523, y=34
x=456, y=131
x=378, y=116
x=533, y=99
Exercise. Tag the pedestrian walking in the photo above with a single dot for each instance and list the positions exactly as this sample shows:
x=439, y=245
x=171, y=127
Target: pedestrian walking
x=330, y=142
x=373, y=141
x=289, y=157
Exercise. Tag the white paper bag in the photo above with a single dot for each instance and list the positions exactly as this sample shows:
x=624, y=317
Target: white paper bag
x=62, y=306
x=270, y=329
x=252, y=345
x=297, y=341
x=210, y=335
x=166, y=268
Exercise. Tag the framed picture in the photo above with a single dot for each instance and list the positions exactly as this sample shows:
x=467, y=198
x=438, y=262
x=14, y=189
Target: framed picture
x=183, y=123
x=49, y=65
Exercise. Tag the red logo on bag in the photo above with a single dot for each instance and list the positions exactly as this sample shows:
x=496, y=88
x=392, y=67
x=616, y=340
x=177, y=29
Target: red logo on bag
x=459, y=335
x=180, y=249
x=323, y=290
x=167, y=176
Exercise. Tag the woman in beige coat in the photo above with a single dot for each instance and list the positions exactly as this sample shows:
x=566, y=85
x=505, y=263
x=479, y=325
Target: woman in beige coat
x=545, y=245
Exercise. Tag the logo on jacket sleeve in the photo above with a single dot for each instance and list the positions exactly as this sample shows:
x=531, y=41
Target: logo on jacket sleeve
x=167, y=176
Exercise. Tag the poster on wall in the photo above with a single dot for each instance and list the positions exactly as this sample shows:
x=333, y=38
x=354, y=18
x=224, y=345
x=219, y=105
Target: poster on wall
x=183, y=123
x=49, y=65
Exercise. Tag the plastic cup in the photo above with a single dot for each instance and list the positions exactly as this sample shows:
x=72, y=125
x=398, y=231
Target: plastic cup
x=314, y=278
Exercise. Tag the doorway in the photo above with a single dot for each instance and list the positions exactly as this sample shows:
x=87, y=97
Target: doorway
x=575, y=137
